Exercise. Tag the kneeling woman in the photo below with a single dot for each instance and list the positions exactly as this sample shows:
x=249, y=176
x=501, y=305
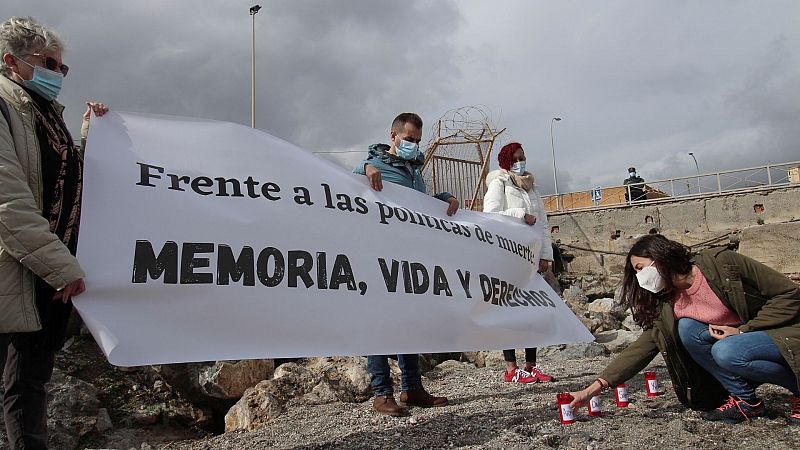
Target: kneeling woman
x=724, y=323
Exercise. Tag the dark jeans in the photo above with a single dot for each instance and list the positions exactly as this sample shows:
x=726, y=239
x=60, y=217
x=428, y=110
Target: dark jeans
x=25, y=372
x=511, y=356
x=740, y=362
x=378, y=368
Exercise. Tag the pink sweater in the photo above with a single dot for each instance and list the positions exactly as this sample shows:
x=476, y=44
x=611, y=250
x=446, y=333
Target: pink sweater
x=700, y=303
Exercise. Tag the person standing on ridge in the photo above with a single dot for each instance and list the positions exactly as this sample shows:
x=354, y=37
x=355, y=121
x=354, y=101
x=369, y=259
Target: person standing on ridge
x=635, y=191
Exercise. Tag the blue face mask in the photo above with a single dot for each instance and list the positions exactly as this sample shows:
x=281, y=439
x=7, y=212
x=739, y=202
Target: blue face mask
x=518, y=167
x=407, y=150
x=44, y=82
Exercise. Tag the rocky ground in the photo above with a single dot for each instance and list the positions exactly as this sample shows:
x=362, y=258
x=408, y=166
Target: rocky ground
x=325, y=403
x=485, y=413
x=92, y=404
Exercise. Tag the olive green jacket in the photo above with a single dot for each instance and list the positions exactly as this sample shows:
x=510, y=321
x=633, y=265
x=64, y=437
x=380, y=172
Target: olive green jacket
x=763, y=298
x=27, y=247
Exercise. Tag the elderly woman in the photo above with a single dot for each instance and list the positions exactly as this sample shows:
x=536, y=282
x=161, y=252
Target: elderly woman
x=40, y=193
x=724, y=323
x=511, y=191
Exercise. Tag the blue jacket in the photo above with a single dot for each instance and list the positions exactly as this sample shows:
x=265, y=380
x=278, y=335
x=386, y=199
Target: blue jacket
x=396, y=170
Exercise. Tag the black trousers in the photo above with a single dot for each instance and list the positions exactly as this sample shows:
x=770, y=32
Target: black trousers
x=511, y=356
x=26, y=369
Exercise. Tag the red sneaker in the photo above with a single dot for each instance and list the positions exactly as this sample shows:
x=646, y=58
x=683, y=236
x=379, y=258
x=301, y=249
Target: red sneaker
x=794, y=415
x=540, y=376
x=518, y=376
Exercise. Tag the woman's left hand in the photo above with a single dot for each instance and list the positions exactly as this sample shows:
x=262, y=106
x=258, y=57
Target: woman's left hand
x=722, y=331
x=543, y=265
x=98, y=108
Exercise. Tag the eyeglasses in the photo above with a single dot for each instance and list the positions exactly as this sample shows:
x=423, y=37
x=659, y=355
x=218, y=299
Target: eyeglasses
x=51, y=63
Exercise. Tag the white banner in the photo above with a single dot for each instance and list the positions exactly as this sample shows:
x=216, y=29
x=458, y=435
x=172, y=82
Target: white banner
x=207, y=240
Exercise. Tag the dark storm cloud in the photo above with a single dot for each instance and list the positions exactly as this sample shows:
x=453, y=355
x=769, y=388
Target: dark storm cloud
x=329, y=74
x=637, y=83
x=769, y=101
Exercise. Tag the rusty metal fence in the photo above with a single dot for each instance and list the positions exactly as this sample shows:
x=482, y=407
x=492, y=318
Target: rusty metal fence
x=458, y=156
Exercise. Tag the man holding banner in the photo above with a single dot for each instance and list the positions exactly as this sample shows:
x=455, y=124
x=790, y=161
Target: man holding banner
x=400, y=163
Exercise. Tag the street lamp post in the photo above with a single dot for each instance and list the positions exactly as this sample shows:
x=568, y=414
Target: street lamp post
x=555, y=174
x=698, y=170
x=253, y=11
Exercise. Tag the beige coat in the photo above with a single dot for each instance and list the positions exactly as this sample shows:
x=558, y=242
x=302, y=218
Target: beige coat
x=27, y=247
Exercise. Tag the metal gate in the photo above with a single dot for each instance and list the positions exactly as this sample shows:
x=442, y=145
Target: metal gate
x=457, y=159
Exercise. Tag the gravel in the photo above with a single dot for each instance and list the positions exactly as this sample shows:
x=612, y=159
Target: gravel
x=486, y=413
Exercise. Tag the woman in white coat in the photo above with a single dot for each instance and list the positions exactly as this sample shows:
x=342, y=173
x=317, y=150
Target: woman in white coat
x=512, y=192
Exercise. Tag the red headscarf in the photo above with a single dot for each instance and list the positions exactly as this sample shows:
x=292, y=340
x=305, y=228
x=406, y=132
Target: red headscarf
x=506, y=155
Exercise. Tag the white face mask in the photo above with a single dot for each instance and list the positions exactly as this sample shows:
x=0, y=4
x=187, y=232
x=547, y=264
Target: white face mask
x=650, y=279
x=518, y=167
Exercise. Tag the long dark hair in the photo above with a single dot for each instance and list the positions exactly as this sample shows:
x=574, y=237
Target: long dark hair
x=671, y=258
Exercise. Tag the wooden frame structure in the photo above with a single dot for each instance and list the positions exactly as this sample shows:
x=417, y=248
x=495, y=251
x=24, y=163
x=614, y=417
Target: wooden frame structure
x=457, y=158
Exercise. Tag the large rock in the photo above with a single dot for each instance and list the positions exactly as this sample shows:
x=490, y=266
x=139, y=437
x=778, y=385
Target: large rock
x=477, y=358
x=427, y=361
x=603, y=305
x=318, y=381
x=597, y=322
x=211, y=388
x=496, y=358
x=294, y=380
x=617, y=340
x=629, y=325
x=591, y=323
x=187, y=414
x=575, y=299
x=206, y=382
x=574, y=351
x=72, y=410
x=321, y=394
x=599, y=285
x=606, y=321
x=347, y=376
x=257, y=406
x=229, y=379
x=267, y=399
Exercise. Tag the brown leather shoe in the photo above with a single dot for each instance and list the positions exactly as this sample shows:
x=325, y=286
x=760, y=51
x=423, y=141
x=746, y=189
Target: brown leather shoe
x=421, y=398
x=385, y=404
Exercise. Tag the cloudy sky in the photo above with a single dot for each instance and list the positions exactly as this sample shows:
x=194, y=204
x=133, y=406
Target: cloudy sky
x=636, y=82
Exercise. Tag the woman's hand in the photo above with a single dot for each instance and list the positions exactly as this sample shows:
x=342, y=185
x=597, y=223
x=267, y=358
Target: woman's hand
x=722, y=331
x=582, y=397
x=530, y=219
x=543, y=265
x=98, y=108
x=72, y=289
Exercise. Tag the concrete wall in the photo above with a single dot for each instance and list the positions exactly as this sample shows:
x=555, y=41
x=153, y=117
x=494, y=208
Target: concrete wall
x=766, y=222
